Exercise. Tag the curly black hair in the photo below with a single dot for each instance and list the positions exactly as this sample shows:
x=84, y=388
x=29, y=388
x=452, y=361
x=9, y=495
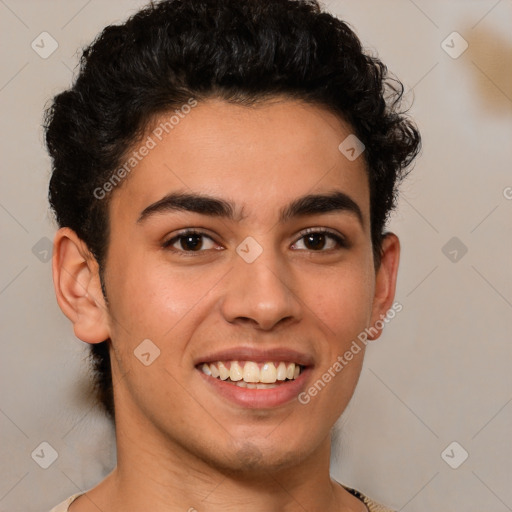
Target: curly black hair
x=241, y=51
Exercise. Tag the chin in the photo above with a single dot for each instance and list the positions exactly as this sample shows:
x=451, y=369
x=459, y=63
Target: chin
x=250, y=459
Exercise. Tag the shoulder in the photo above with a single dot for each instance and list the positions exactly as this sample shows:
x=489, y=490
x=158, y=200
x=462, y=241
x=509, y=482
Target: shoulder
x=63, y=507
x=370, y=504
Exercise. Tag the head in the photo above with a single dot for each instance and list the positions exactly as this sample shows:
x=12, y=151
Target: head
x=244, y=104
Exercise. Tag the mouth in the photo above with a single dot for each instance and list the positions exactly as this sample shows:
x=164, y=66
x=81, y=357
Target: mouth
x=252, y=374
x=262, y=385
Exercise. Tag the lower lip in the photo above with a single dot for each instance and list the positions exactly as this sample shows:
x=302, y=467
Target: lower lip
x=259, y=398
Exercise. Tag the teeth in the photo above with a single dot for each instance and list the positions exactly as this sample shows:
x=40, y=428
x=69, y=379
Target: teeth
x=214, y=370
x=223, y=371
x=281, y=371
x=242, y=384
x=251, y=372
x=249, y=375
x=235, y=372
x=268, y=373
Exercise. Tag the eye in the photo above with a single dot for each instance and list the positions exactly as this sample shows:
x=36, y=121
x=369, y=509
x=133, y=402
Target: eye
x=316, y=240
x=189, y=241
x=321, y=240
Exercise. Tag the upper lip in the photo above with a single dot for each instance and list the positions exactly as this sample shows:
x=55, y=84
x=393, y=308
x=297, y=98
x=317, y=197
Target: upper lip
x=257, y=355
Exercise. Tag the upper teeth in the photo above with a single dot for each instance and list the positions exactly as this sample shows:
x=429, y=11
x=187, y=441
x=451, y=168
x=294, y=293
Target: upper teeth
x=249, y=371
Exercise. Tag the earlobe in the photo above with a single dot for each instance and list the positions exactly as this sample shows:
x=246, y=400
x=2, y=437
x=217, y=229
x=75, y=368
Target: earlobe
x=78, y=288
x=385, y=281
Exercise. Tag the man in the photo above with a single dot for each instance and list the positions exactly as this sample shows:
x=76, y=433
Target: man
x=222, y=175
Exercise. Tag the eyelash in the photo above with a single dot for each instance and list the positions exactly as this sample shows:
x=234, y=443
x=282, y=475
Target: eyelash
x=340, y=241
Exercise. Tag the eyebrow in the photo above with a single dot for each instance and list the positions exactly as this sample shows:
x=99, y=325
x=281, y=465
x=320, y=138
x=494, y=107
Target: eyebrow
x=311, y=204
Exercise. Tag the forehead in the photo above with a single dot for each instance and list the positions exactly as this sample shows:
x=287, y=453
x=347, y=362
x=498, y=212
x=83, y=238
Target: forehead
x=258, y=157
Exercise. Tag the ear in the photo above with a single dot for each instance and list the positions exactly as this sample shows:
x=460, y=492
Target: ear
x=78, y=288
x=385, y=281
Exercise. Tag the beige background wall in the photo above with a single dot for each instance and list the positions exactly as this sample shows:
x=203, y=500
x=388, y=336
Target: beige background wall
x=441, y=371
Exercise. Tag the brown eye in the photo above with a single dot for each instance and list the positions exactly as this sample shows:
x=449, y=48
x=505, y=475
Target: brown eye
x=315, y=241
x=189, y=242
x=320, y=241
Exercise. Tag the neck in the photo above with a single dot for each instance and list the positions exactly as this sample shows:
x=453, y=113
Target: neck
x=178, y=480
x=233, y=468
x=164, y=476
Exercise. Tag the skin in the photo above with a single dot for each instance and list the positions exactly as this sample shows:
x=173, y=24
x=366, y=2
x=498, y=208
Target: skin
x=181, y=444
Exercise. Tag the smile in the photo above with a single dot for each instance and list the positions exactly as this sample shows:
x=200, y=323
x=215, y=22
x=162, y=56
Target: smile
x=252, y=375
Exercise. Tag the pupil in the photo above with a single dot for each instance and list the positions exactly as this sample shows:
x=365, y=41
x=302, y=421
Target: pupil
x=318, y=237
x=191, y=242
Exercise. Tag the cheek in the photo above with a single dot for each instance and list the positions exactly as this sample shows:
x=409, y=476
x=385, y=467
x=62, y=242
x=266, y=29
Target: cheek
x=342, y=301
x=151, y=300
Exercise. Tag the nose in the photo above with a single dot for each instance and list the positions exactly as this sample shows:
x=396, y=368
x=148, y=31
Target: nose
x=261, y=293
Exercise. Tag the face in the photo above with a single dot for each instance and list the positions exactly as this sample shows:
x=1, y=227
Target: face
x=240, y=245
